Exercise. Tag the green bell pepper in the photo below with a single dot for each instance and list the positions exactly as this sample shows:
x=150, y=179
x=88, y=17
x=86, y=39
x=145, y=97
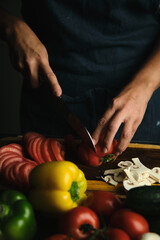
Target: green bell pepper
x=17, y=219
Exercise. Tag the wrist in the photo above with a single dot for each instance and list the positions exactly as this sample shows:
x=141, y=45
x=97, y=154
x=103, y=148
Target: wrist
x=8, y=23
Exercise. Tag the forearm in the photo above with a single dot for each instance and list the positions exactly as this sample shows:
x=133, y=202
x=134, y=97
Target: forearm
x=148, y=77
x=7, y=23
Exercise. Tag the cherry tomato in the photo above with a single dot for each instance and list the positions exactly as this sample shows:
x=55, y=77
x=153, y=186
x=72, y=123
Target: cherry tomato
x=60, y=237
x=131, y=222
x=116, y=234
x=79, y=222
x=103, y=202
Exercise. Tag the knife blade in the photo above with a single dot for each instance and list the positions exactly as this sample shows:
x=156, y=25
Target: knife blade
x=73, y=121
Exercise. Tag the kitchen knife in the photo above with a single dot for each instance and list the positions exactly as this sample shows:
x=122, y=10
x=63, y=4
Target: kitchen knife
x=73, y=121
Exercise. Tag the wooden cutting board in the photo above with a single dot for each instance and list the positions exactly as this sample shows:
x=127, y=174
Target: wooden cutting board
x=149, y=155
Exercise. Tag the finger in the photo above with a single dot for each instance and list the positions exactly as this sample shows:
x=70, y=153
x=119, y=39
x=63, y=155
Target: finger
x=52, y=79
x=102, y=123
x=128, y=132
x=111, y=130
x=31, y=73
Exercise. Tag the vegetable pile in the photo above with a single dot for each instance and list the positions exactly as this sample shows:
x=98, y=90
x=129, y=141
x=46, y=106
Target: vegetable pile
x=17, y=161
x=103, y=216
x=55, y=189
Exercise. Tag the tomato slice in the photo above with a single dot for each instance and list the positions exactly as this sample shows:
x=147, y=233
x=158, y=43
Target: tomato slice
x=16, y=168
x=57, y=149
x=28, y=136
x=39, y=149
x=46, y=151
x=11, y=148
x=24, y=172
x=10, y=159
x=8, y=175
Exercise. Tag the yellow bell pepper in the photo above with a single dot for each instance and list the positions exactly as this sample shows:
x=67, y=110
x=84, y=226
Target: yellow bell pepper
x=57, y=186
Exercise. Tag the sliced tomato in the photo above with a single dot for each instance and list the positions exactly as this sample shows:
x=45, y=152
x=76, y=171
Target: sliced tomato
x=46, y=150
x=11, y=159
x=39, y=149
x=57, y=149
x=24, y=172
x=8, y=176
x=11, y=148
x=28, y=136
x=33, y=149
x=16, y=171
x=31, y=161
x=4, y=156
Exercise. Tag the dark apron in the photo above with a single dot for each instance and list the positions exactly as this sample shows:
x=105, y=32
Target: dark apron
x=95, y=48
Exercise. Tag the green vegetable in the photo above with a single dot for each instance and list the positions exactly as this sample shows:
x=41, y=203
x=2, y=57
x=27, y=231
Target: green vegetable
x=145, y=200
x=17, y=220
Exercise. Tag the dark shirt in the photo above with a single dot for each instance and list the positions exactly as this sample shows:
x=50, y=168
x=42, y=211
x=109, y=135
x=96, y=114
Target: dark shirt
x=95, y=48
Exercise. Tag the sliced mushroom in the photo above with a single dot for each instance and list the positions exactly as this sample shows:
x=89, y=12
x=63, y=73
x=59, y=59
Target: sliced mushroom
x=113, y=171
x=138, y=166
x=127, y=184
x=109, y=179
x=130, y=176
x=155, y=174
x=119, y=176
x=124, y=164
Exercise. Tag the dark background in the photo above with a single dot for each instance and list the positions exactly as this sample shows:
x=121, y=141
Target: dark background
x=10, y=82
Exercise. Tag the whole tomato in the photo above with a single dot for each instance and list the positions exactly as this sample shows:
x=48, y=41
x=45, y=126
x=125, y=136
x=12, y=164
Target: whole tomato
x=90, y=158
x=103, y=202
x=116, y=234
x=60, y=237
x=79, y=222
x=131, y=222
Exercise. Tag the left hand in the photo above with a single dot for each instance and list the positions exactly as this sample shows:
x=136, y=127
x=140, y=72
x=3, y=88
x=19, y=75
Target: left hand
x=128, y=108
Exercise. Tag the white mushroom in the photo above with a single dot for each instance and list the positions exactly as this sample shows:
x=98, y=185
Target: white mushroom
x=127, y=184
x=112, y=171
x=124, y=164
x=109, y=179
x=132, y=174
x=155, y=174
x=139, y=167
x=119, y=176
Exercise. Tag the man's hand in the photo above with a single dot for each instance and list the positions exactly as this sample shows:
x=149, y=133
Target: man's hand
x=127, y=108
x=28, y=54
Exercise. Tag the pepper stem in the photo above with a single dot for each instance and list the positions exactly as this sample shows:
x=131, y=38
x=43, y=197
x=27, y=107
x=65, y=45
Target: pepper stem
x=74, y=191
x=4, y=210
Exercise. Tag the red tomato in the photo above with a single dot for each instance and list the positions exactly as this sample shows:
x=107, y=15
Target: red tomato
x=103, y=202
x=75, y=220
x=59, y=237
x=131, y=222
x=88, y=157
x=116, y=234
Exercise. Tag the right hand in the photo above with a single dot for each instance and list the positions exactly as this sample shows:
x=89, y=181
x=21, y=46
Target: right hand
x=30, y=57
